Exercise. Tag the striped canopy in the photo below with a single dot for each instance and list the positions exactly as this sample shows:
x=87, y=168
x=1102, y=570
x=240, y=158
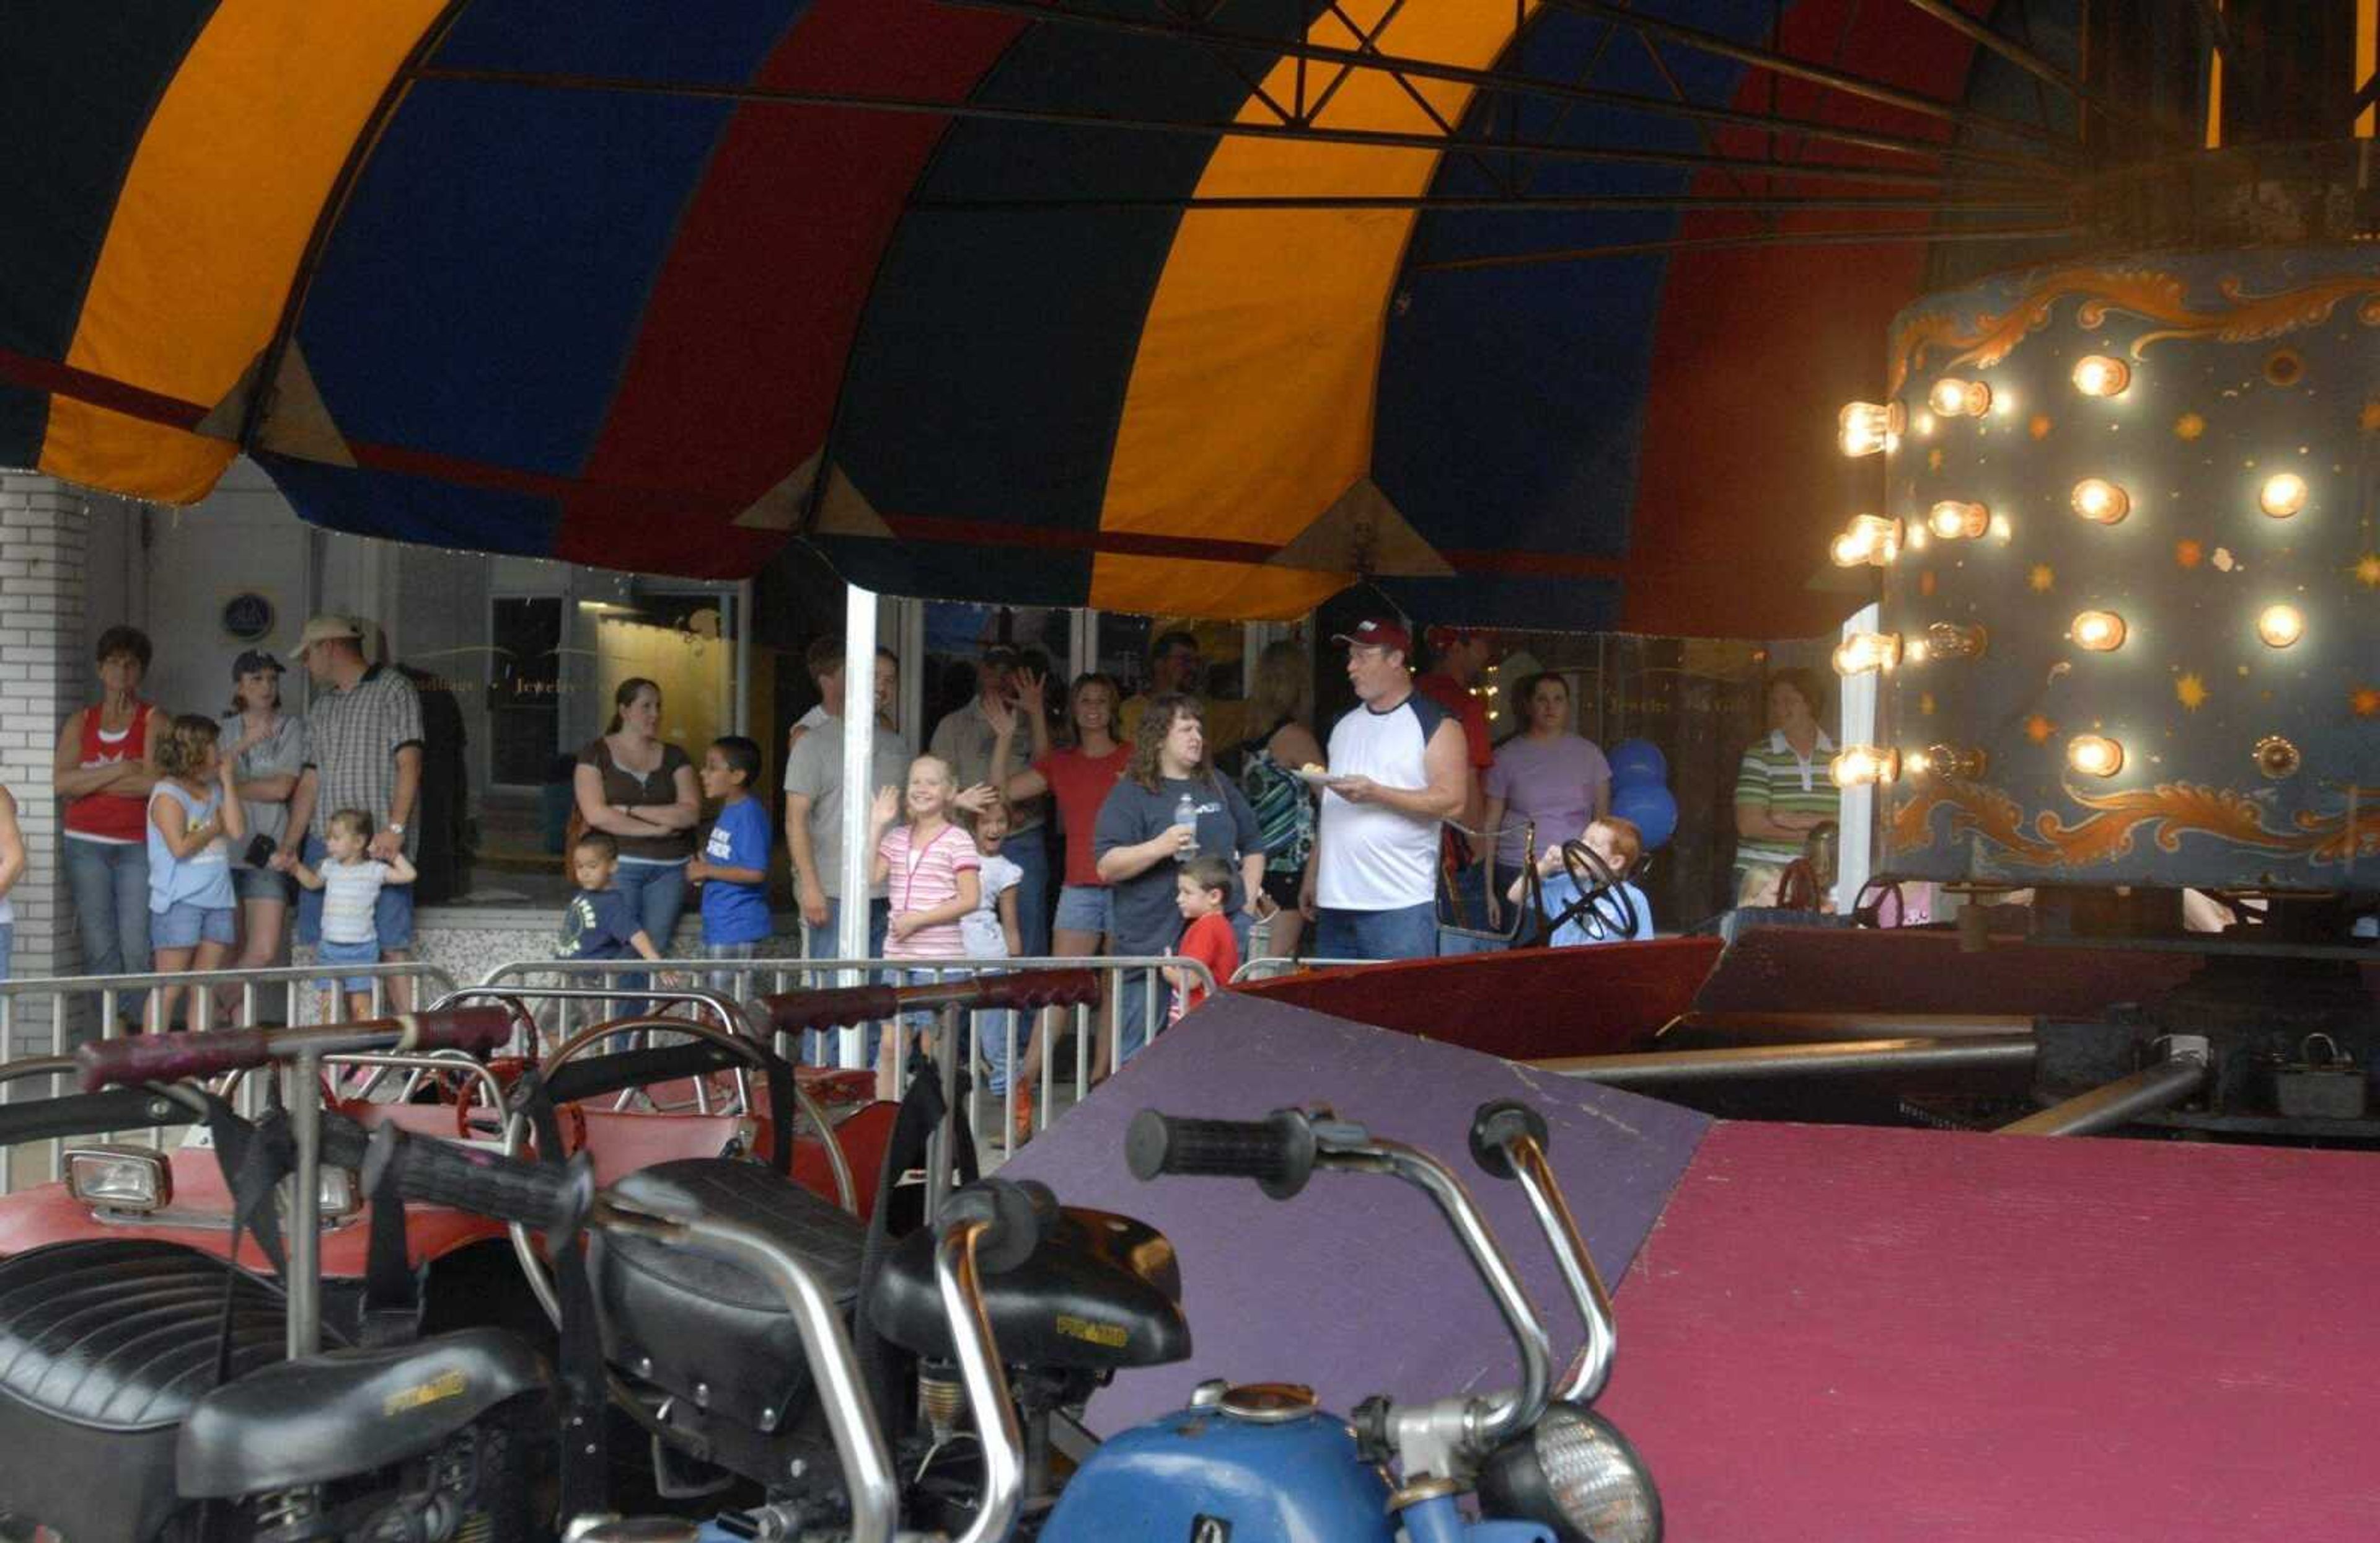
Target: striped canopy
x=1201, y=306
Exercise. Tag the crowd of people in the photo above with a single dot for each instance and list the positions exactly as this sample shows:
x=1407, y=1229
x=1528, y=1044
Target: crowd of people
x=1158, y=825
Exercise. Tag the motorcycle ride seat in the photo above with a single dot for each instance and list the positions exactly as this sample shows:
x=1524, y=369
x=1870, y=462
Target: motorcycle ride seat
x=105, y=1347
x=704, y=1329
x=350, y=1411
x=1101, y=1293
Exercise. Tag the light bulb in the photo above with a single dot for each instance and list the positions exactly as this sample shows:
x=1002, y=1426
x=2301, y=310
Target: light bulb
x=1949, y=761
x=2098, y=630
x=1952, y=397
x=2280, y=624
x=1950, y=640
x=1863, y=651
x=2283, y=494
x=2095, y=498
x=1858, y=765
x=2097, y=375
x=2095, y=755
x=1869, y=538
x=1864, y=428
x=1953, y=520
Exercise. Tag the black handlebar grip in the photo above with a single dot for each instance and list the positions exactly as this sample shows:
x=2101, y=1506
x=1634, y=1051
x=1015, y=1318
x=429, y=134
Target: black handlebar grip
x=1277, y=1151
x=1015, y=1219
x=1496, y=1122
x=541, y=1196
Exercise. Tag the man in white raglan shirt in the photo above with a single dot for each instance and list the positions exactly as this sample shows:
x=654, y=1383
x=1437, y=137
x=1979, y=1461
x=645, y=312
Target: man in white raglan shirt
x=1398, y=767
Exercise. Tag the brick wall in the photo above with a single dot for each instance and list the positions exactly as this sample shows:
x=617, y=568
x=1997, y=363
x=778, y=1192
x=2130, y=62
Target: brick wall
x=44, y=674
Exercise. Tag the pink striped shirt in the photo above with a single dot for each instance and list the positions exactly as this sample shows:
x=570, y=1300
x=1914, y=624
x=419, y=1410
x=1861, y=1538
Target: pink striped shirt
x=922, y=880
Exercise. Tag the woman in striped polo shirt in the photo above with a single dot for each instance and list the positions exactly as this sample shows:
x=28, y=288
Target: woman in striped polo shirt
x=1783, y=790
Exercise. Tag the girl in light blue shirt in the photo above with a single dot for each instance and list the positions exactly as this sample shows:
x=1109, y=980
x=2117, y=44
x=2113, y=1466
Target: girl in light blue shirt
x=194, y=817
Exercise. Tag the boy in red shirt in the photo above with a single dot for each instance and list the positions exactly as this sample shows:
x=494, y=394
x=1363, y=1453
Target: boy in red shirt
x=1202, y=890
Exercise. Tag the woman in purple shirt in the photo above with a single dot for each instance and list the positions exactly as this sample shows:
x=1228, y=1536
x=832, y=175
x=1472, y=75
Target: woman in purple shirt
x=1545, y=775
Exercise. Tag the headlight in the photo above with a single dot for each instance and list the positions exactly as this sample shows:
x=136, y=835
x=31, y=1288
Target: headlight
x=119, y=1178
x=1574, y=1472
x=340, y=1195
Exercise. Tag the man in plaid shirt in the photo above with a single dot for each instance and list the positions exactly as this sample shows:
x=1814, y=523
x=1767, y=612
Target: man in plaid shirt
x=364, y=730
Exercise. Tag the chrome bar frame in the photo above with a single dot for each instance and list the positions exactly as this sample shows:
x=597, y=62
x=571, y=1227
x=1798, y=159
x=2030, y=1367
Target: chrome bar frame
x=1755, y=1061
x=2120, y=1103
x=957, y=1278
x=1593, y=1367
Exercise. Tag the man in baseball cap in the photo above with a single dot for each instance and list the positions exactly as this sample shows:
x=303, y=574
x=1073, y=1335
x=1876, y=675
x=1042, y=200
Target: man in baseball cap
x=1398, y=767
x=327, y=629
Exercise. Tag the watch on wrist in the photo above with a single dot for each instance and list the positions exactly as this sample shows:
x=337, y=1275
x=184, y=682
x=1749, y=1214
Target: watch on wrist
x=397, y=826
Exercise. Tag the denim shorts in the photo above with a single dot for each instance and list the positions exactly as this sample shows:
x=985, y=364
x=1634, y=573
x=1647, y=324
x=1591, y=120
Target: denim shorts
x=262, y=884
x=329, y=953
x=1086, y=908
x=183, y=924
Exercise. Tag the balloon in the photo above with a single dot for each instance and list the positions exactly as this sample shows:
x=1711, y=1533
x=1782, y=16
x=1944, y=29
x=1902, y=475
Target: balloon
x=1638, y=760
x=1650, y=806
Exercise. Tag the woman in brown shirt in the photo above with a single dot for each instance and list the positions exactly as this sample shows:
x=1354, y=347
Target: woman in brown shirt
x=641, y=789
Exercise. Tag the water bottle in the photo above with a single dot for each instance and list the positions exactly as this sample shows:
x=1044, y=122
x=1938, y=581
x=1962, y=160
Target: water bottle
x=1185, y=812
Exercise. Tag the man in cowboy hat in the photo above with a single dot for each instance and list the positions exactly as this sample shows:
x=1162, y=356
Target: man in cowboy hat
x=364, y=737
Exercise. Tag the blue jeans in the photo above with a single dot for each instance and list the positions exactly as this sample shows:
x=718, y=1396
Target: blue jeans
x=1029, y=850
x=1407, y=932
x=1137, y=1016
x=7, y=944
x=818, y=943
x=655, y=895
x=111, y=901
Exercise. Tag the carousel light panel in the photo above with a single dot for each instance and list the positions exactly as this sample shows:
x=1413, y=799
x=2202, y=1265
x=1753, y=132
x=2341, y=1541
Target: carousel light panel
x=1954, y=520
x=1864, y=653
x=2097, y=375
x=2100, y=631
x=2095, y=755
x=1955, y=398
x=2282, y=495
x=1864, y=428
x=2164, y=670
x=1859, y=765
x=1869, y=538
x=2100, y=501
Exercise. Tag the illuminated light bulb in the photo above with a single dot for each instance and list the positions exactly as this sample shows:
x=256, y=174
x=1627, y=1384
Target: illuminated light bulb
x=1869, y=538
x=1951, y=761
x=1863, y=651
x=2280, y=625
x=2095, y=755
x=2098, y=630
x=2097, y=375
x=1955, y=398
x=1859, y=765
x=1953, y=520
x=1950, y=640
x=2282, y=495
x=1864, y=428
x=2097, y=499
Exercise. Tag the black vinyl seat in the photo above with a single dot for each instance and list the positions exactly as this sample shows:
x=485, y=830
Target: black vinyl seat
x=1101, y=1293
x=105, y=1346
x=702, y=1328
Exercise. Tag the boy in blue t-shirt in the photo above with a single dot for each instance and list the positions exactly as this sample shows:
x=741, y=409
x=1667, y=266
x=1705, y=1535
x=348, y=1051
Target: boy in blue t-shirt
x=733, y=866
x=597, y=923
x=1618, y=844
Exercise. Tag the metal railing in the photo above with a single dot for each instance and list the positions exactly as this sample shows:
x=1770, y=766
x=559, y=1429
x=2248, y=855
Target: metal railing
x=746, y=978
x=606, y=984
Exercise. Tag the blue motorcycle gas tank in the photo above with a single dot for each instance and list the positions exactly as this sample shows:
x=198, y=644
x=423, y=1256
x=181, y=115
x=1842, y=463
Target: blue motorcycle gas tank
x=1199, y=1476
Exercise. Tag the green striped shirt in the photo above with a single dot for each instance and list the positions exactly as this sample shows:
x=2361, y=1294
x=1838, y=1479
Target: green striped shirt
x=1773, y=776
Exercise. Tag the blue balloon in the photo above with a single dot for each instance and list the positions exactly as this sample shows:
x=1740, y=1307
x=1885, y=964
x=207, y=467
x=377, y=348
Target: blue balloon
x=1652, y=808
x=1638, y=760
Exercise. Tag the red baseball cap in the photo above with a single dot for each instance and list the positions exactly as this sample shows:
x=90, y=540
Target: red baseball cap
x=1377, y=632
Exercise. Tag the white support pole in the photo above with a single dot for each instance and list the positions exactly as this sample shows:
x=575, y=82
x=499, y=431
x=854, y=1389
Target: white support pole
x=1854, y=848
x=858, y=792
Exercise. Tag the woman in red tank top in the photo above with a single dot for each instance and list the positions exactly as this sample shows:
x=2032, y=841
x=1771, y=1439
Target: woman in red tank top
x=107, y=766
